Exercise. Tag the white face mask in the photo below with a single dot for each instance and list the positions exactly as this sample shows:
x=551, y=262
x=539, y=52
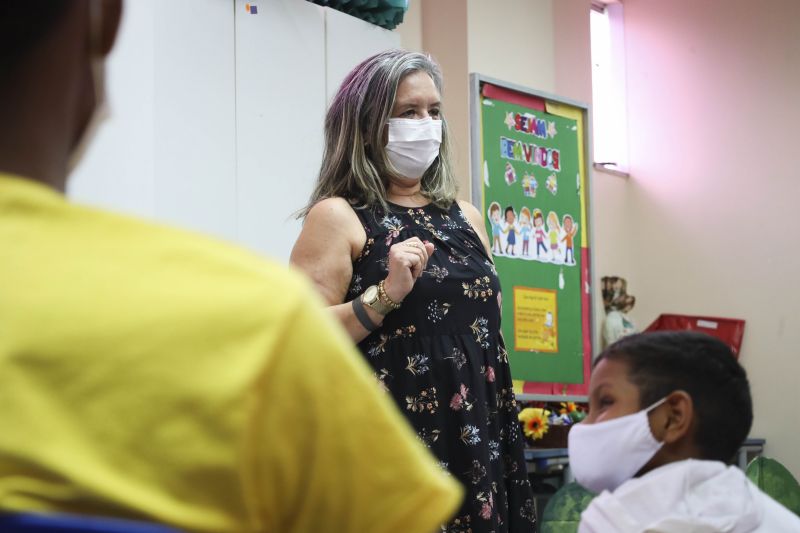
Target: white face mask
x=413, y=145
x=605, y=455
x=100, y=111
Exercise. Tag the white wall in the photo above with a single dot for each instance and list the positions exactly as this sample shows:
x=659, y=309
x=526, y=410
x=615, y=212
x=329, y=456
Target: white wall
x=290, y=60
x=167, y=150
x=348, y=41
x=195, y=123
x=280, y=109
x=217, y=114
x=118, y=168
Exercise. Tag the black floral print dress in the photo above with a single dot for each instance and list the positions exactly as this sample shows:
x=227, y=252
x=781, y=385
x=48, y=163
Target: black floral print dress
x=442, y=358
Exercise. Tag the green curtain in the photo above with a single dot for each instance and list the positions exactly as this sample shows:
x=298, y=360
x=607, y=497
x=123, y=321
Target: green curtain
x=384, y=13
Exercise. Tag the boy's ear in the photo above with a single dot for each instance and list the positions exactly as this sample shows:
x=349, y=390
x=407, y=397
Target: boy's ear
x=677, y=417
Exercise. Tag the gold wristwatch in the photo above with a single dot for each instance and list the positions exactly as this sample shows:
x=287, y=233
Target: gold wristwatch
x=376, y=299
x=372, y=299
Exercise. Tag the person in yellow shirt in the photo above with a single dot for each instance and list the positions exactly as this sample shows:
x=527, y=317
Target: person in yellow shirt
x=151, y=374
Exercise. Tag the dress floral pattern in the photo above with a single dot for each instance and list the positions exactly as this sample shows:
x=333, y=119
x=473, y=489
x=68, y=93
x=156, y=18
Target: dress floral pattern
x=442, y=359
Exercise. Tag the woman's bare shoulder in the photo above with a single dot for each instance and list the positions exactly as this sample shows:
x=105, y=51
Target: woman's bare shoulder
x=332, y=210
x=471, y=212
x=332, y=222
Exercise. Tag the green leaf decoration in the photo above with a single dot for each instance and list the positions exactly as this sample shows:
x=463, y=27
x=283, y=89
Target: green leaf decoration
x=563, y=512
x=774, y=479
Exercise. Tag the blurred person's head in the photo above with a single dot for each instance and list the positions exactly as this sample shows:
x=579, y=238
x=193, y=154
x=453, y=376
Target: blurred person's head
x=656, y=398
x=51, y=64
x=356, y=165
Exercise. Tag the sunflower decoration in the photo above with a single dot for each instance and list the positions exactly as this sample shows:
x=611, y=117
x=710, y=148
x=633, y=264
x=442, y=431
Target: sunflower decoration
x=534, y=420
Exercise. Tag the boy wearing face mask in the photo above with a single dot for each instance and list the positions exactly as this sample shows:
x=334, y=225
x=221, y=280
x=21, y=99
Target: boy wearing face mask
x=668, y=411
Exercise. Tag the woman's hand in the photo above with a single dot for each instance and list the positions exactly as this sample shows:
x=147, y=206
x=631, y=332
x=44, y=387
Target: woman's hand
x=407, y=262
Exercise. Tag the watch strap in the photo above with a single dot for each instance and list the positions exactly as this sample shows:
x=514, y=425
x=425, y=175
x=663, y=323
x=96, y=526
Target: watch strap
x=362, y=315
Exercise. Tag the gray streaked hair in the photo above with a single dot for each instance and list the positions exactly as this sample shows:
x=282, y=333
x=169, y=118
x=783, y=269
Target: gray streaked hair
x=354, y=165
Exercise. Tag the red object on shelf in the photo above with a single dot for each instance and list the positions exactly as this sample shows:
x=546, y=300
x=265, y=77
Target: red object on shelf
x=728, y=330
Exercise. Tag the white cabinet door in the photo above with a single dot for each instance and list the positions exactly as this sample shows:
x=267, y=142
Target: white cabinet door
x=117, y=171
x=168, y=149
x=280, y=109
x=195, y=121
x=217, y=114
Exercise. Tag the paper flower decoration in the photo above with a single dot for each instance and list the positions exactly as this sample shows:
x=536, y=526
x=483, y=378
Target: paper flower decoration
x=567, y=408
x=572, y=411
x=534, y=420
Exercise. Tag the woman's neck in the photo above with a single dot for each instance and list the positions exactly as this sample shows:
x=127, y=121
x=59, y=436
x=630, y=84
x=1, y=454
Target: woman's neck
x=406, y=194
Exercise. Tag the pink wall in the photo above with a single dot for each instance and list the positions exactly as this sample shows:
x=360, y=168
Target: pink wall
x=448, y=44
x=713, y=93
x=705, y=224
x=573, y=67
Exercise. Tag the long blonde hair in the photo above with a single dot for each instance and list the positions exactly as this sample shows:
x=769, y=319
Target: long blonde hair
x=354, y=164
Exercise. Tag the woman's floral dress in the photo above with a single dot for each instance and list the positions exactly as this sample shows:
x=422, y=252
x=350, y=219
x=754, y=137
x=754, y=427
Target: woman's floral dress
x=442, y=358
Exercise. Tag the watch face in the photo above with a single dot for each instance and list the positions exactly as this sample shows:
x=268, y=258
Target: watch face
x=371, y=294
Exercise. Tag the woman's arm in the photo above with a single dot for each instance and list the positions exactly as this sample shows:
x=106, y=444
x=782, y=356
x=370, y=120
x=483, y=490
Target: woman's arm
x=331, y=239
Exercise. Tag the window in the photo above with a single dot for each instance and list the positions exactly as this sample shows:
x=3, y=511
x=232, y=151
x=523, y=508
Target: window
x=610, y=119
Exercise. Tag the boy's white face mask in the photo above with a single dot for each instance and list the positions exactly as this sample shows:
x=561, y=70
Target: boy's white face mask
x=413, y=145
x=605, y=455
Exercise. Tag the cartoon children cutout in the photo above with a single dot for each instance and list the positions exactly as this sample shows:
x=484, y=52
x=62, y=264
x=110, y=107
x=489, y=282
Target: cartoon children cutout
x=570, y=229
x=553, y=231
x=525, y=229
x=538, y=230
x=497, y=227
x=529, y=185
x=511, y=229
x=511, y=174
x=552, y=184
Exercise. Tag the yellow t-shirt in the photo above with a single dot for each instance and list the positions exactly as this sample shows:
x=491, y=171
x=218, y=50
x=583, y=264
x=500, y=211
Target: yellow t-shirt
x=152, y=374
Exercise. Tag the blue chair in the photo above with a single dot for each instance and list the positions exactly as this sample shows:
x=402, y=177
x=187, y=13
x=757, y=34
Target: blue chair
x=66, y=523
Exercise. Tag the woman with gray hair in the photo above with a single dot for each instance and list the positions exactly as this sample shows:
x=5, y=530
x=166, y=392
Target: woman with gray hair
x=407, y=270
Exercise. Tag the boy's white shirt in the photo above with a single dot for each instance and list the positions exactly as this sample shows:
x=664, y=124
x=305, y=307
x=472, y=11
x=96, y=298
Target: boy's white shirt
x=688, y=497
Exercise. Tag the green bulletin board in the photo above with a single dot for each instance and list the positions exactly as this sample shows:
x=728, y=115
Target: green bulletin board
x=530, y=177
